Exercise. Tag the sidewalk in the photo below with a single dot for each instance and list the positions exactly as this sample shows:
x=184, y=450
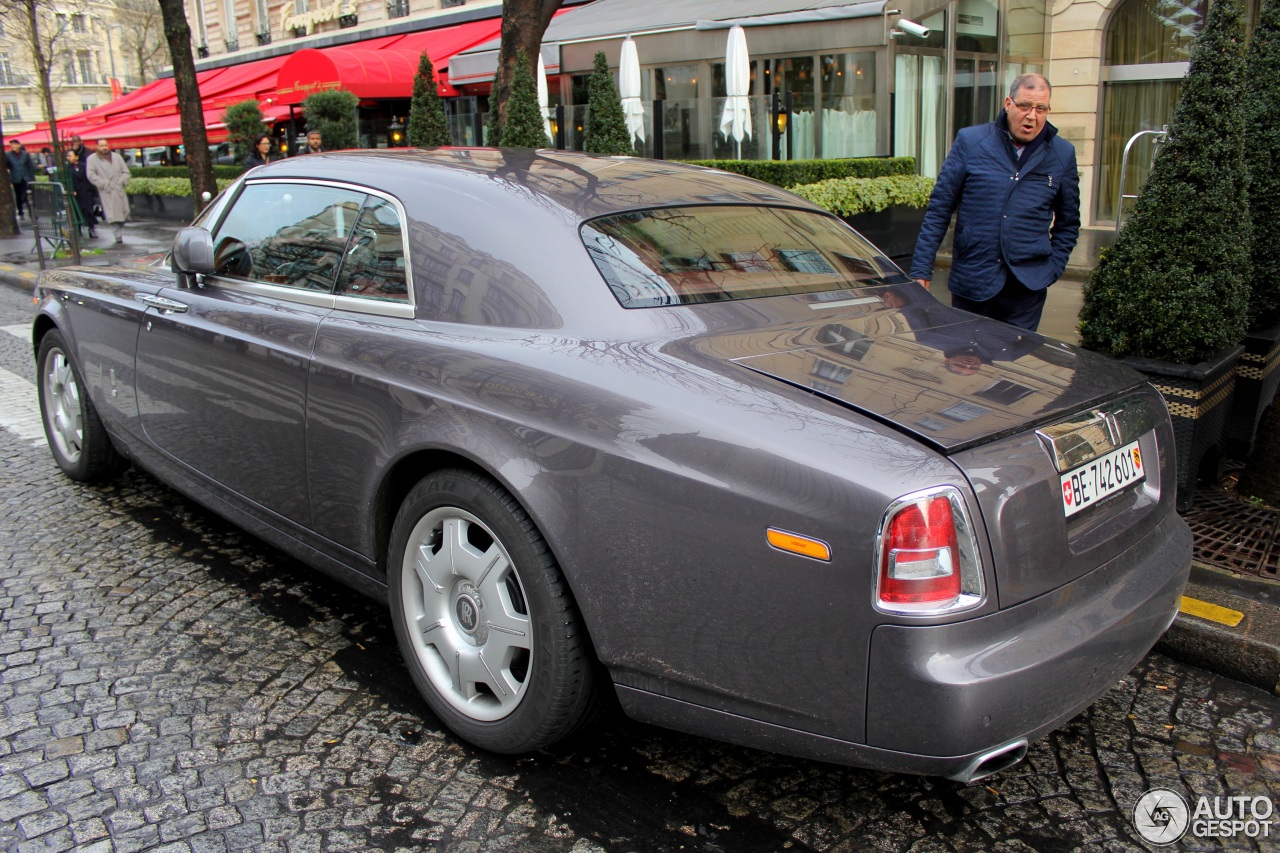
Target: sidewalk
x=144, y=239
x=1230, y=623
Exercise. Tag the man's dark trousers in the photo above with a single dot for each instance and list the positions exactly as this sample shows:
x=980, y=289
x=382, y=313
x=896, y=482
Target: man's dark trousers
x=1014, y=304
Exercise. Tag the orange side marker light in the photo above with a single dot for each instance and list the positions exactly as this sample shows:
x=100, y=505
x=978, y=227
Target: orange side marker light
x=794, y=543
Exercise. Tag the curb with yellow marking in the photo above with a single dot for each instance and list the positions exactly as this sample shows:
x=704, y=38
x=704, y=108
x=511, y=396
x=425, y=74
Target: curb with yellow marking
x=1212, y=612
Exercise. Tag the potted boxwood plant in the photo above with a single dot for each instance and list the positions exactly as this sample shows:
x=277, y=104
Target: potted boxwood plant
x=887, y=210
x=1258, y=374
x=1170, y=296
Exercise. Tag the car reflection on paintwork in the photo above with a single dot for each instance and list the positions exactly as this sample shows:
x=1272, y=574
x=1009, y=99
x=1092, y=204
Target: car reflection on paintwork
x=598, y=425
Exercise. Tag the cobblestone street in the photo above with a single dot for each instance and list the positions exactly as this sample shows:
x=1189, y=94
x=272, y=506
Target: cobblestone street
x=170, y=683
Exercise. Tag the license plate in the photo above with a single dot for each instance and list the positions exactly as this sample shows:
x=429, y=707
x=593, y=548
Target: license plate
x=1091, y=482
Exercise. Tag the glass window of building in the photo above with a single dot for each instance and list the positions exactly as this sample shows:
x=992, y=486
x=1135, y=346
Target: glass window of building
x=920, y=97
x=682, y=118
x=848, y=116
x=1143, y=32
x=1146, y=47
x=675, y=82
x=756, y=145
x=977, y=27
x=795, y=74
x=978, y=96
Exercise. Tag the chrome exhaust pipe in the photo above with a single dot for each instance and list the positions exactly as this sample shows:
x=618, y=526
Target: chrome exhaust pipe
x=1000, y=758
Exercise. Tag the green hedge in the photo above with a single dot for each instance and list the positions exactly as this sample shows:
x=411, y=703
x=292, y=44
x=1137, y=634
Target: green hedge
x=789, y=173
x=182, y=172
x=177, y=187
x=849, y=196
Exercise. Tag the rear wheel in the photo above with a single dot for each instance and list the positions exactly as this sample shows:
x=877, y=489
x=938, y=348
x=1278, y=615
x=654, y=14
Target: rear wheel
x=77, y=438
x=485, y=620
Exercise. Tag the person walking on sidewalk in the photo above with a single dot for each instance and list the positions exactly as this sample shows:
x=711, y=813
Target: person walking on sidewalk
x=22, y=173
x=1015, y=191
x=315, y=145
x=260, y=154
x=82, y=192
x=83, y=153
x=109, y=173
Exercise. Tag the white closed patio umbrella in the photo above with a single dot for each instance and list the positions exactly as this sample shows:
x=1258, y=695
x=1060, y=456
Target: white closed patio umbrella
x=629, y=90
x=544, y=99
x=735, y=121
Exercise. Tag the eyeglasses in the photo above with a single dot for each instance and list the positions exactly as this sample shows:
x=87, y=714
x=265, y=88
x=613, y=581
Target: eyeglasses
x=1027, y=106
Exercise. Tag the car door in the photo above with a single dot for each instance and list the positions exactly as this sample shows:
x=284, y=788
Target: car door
x=356, y=407
x=222, y=371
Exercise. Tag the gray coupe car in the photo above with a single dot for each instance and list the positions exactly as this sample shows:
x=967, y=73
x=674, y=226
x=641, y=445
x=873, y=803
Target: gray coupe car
x=600, y=424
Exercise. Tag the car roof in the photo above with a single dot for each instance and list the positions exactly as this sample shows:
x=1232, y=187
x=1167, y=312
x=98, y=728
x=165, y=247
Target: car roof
x=584, y=185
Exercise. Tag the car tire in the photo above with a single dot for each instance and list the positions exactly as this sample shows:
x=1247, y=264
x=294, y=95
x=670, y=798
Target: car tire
x=77, y=438
x=485, y=621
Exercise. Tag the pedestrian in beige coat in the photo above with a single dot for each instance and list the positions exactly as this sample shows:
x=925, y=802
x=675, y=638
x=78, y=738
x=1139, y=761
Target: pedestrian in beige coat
x=108, y=172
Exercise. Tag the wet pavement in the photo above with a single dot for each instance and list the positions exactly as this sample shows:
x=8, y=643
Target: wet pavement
x=170, y=683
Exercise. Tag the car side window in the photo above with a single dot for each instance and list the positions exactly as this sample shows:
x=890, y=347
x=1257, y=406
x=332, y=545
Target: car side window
x=374, y=265
x=287, y=234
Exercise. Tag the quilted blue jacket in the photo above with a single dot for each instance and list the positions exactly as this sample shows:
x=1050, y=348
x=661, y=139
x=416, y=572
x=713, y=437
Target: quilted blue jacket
x=1018, y=216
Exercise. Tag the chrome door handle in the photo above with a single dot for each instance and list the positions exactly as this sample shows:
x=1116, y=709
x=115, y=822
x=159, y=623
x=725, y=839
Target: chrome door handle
x=166, y=305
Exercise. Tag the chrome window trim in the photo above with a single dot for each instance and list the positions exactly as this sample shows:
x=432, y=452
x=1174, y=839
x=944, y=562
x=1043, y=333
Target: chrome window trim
x=313, y=298
x=355, y=304
x=378, y=307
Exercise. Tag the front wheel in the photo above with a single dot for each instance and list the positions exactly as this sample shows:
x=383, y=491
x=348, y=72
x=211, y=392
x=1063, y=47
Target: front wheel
x=485, y=620
x=77, y=438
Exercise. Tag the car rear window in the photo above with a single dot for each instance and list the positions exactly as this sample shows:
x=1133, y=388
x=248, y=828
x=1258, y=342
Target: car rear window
x=712, y=253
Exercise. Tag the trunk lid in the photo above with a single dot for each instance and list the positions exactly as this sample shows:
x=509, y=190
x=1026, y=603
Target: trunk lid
x=1012, y=409
x=951, y=379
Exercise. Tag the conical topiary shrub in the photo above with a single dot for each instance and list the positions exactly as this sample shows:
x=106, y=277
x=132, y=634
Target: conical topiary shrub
x=428, y=127
x=244, y=126
x=606, y=125
x=523, y=128
x=1261, y=108
x=333, y=113
x=1174, y=285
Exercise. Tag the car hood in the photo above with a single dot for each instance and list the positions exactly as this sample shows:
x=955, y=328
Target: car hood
x=952, y=379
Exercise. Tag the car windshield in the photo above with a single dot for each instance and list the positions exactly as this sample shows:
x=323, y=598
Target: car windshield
x=712, y=253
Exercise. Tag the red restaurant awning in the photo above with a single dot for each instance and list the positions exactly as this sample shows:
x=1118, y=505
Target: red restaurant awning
x=219, y=88
x=365, y=73
x=382, y=67
x=377, y=68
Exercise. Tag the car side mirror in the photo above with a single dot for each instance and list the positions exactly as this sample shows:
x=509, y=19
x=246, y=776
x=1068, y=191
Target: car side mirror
x=192, y=255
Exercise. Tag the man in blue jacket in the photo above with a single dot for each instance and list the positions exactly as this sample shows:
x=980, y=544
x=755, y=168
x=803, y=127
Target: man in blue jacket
x=1014, y=188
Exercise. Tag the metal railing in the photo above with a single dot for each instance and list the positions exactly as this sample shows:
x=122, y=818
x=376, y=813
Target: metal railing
x=1121, y=195
x=55, y=220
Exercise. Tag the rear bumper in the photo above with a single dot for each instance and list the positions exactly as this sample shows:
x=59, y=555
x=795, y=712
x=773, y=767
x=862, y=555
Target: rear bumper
x=944, y=699
x=963, y=688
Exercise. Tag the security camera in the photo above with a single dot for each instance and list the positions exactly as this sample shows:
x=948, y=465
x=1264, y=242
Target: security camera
x=912, y=28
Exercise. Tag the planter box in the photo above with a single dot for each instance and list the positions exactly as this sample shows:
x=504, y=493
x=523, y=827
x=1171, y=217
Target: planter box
x=893, y=230
x=181, y=208
x=1257, y=377
x=1199, y=400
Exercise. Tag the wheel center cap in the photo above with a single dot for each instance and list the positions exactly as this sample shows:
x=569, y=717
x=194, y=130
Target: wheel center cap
x=467, y=612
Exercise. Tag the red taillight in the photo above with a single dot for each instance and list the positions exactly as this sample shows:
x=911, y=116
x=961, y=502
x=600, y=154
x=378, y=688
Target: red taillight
x=920, y=556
